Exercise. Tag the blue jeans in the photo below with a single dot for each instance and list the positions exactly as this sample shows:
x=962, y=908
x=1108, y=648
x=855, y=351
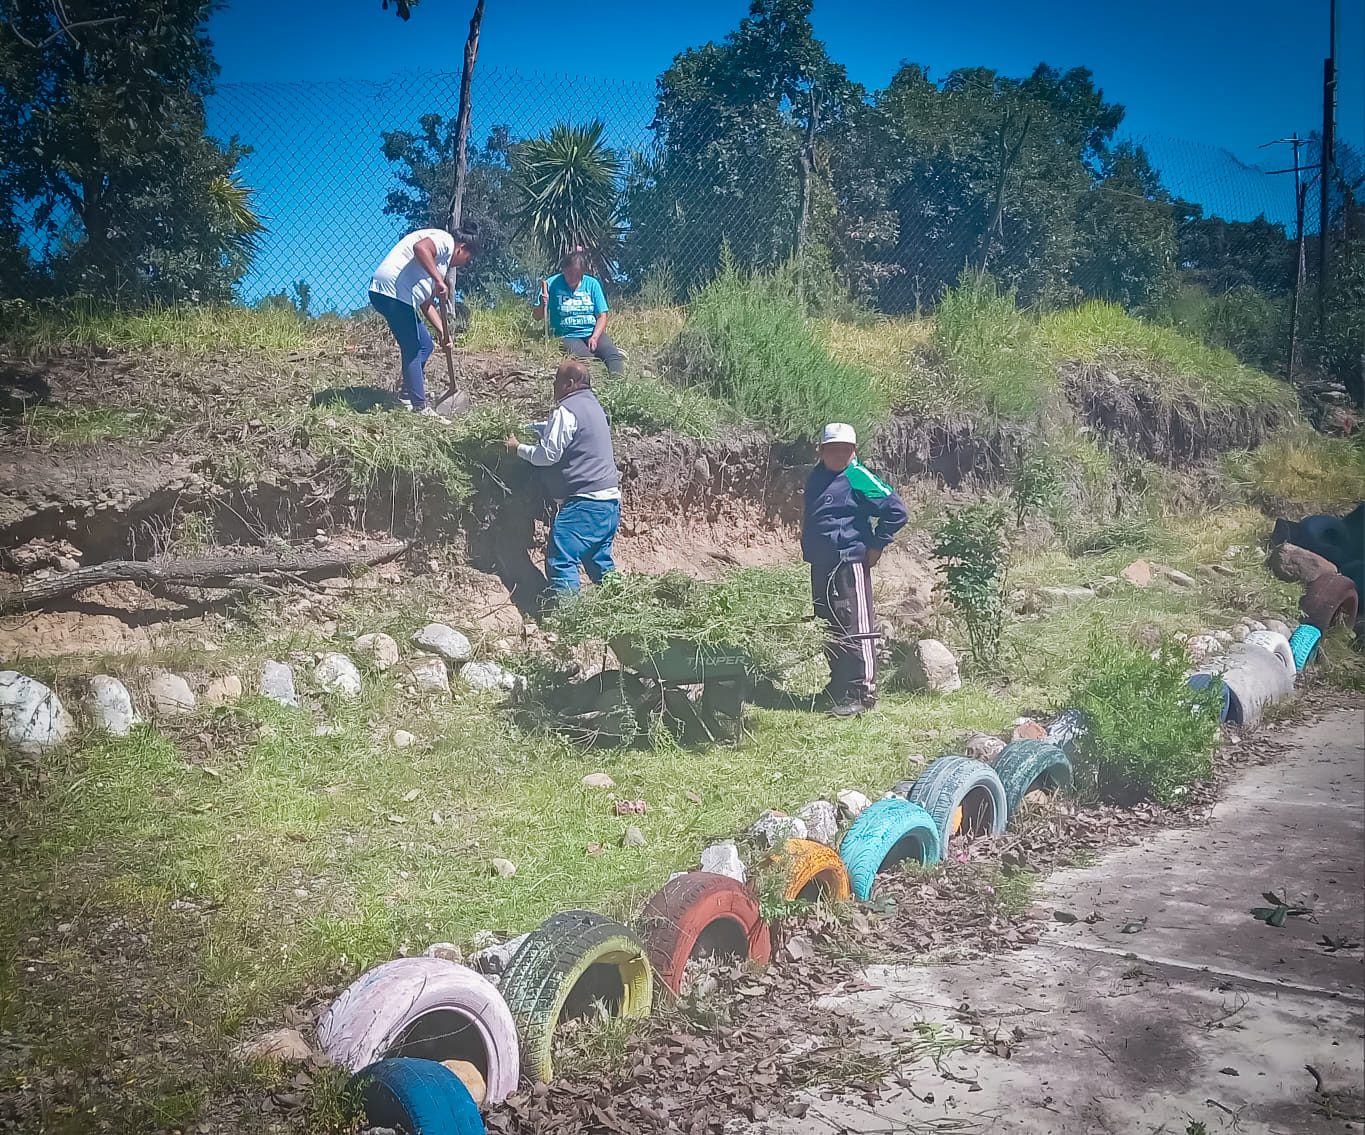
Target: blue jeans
x=414, y=343
x=582, y=533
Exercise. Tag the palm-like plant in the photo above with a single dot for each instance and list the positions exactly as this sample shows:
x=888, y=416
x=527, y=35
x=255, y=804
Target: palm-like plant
x=567, y=185
x=236, y=223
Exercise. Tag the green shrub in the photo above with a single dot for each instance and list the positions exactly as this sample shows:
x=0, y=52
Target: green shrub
x=752, y=349
x=653, y=406
x=989, y=348
x=1035, y=485
x=970, y=547
x=1148, y=734
x=1172, y=366
x=1250, y=324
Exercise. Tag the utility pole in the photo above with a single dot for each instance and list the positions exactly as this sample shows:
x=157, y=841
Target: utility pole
x=1329, y=122
x=1300, y=197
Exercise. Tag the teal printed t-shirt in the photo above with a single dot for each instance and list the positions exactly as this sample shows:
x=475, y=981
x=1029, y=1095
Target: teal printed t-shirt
x=574, y=312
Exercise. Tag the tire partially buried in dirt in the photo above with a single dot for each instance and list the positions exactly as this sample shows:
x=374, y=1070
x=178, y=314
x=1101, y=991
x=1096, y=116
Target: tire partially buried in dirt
x=1028, y=766
x=885, y=833
x=429, y=1008
x=814, y=872
x=1329, y=600
x=1303, y=644
x=962, y=795
x=415, y=1097
x=1278, y=645
x=571, y=961
x=700, y=914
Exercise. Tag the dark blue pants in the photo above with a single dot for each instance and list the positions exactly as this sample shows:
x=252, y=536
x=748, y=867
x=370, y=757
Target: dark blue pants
x=414, y=343
x=582, y=533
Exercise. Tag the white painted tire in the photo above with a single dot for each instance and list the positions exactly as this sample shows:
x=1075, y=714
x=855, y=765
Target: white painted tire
x=1277, y=644
x=426, y=1007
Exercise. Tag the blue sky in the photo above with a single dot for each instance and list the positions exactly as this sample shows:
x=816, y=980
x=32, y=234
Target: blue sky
x=1223, y=73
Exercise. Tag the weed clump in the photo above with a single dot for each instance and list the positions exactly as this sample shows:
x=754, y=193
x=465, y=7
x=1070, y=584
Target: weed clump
x=759, y=612
x=1148, y=734
x=749, y=346
x=973, y=556
x=653, y=406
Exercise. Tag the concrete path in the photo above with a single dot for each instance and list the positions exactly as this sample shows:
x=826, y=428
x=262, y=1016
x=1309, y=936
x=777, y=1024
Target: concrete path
x=1204, y=1016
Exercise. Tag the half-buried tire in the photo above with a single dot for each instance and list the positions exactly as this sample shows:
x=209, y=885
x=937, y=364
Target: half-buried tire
x=428, y=1008
x=415, y=1097
x=963, y=796
x=1329, y=600
x=814, y=872
x=886, y=833
x=1278, y=645
x=702, y=914
x=1030, y=766
x=570, y=963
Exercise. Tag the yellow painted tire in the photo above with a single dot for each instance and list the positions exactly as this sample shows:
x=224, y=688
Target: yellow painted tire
x=815, y=871
x=545, y=976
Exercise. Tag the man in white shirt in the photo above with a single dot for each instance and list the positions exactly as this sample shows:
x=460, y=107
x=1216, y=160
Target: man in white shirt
x=576, y=454
x=410, y=278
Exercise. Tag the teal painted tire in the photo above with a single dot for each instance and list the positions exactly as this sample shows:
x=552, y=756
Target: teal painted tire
x=885, y=833
x=415, y=1097
x=1303, y=644
x=1026, y=765
x=961, y=794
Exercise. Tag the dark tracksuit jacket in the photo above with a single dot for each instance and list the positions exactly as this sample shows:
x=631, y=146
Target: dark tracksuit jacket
x=846, y=514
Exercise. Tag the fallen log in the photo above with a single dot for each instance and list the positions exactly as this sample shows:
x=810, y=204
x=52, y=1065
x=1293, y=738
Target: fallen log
x=208, y=571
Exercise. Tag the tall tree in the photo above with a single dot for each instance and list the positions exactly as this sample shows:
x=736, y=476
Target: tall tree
x=102, y=131
x=426, y=169
x=1126, y=229
x=741, y=129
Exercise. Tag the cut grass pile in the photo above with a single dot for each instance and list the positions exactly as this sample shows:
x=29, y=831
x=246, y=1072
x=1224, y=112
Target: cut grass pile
x=382, y=444
x=1304, y=469
x=191, y=329
x=761, y=612
x=85, y=425
x=1173, y=367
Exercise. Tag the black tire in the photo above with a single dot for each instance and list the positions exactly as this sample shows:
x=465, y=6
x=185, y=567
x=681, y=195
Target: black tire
x=544, y=973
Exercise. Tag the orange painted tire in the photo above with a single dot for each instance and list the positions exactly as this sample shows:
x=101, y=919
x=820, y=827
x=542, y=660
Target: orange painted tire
x=702, y=909
x=815, y=871
x=1329, y=600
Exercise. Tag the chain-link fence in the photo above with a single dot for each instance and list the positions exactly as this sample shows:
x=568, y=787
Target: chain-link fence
x=338, y=170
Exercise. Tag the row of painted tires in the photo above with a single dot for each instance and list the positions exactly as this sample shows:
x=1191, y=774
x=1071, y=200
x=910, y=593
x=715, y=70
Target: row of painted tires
x=400, y=1020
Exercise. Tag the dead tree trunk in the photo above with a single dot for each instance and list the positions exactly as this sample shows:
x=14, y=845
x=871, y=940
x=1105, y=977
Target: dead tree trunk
x=1009, y=154
x=806, y=160
x=462, y=115
x=208, y=571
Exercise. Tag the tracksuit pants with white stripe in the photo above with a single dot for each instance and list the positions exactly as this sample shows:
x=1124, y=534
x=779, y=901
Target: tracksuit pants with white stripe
x=843, y=598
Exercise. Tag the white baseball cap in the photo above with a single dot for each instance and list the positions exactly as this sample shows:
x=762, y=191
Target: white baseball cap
x=839, y=432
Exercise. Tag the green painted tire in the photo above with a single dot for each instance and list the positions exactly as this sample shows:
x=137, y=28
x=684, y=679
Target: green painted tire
x=565, y=961
x=1026, y=765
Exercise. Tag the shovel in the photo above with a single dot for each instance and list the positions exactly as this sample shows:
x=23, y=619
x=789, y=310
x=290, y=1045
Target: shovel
x=449, y=353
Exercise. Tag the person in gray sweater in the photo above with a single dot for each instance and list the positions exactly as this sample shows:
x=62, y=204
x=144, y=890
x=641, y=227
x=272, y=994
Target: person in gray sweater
x=574, y=450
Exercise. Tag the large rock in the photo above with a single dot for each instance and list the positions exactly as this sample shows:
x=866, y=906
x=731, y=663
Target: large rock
x=1293, y=564
x=931, y=666
x=446, y=641
x=821, y=819
x=489, y=676
x=110, y=706
x=33, y=720
x=277, y=683
x=281, y=1044
x=338, y=675
x=428, y=673
x=379, y=650
x=773, y=829
x=984, y=746
x=222, y=691
x=495, y=958
x=723, y=859
x=1138, y=573
x=1026, y=729
x=1060, y=595
x=852, y=803
x=170, y=695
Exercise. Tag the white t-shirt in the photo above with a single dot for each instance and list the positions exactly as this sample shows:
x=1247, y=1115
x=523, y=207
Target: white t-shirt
x=401, y=274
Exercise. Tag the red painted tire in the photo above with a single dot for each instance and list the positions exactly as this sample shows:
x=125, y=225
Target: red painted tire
x=702, y=909
x=1329, y=600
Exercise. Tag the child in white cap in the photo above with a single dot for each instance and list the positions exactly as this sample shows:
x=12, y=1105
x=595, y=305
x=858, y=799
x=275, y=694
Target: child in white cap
x=851, y=516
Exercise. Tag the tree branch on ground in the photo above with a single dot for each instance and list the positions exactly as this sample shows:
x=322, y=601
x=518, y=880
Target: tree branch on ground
x=223, y=571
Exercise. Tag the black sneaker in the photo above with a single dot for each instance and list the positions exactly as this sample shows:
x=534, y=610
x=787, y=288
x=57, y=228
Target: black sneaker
x=848, y=709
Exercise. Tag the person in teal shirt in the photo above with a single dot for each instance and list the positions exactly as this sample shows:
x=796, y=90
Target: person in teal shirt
x=578, y=313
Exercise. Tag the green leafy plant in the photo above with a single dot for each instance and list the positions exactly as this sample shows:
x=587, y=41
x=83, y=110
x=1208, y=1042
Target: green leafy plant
x=973, y=556
x=1147, y=733
x=566, y=181
x=653, y=406
x=750, y=347
x=1037, y=481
